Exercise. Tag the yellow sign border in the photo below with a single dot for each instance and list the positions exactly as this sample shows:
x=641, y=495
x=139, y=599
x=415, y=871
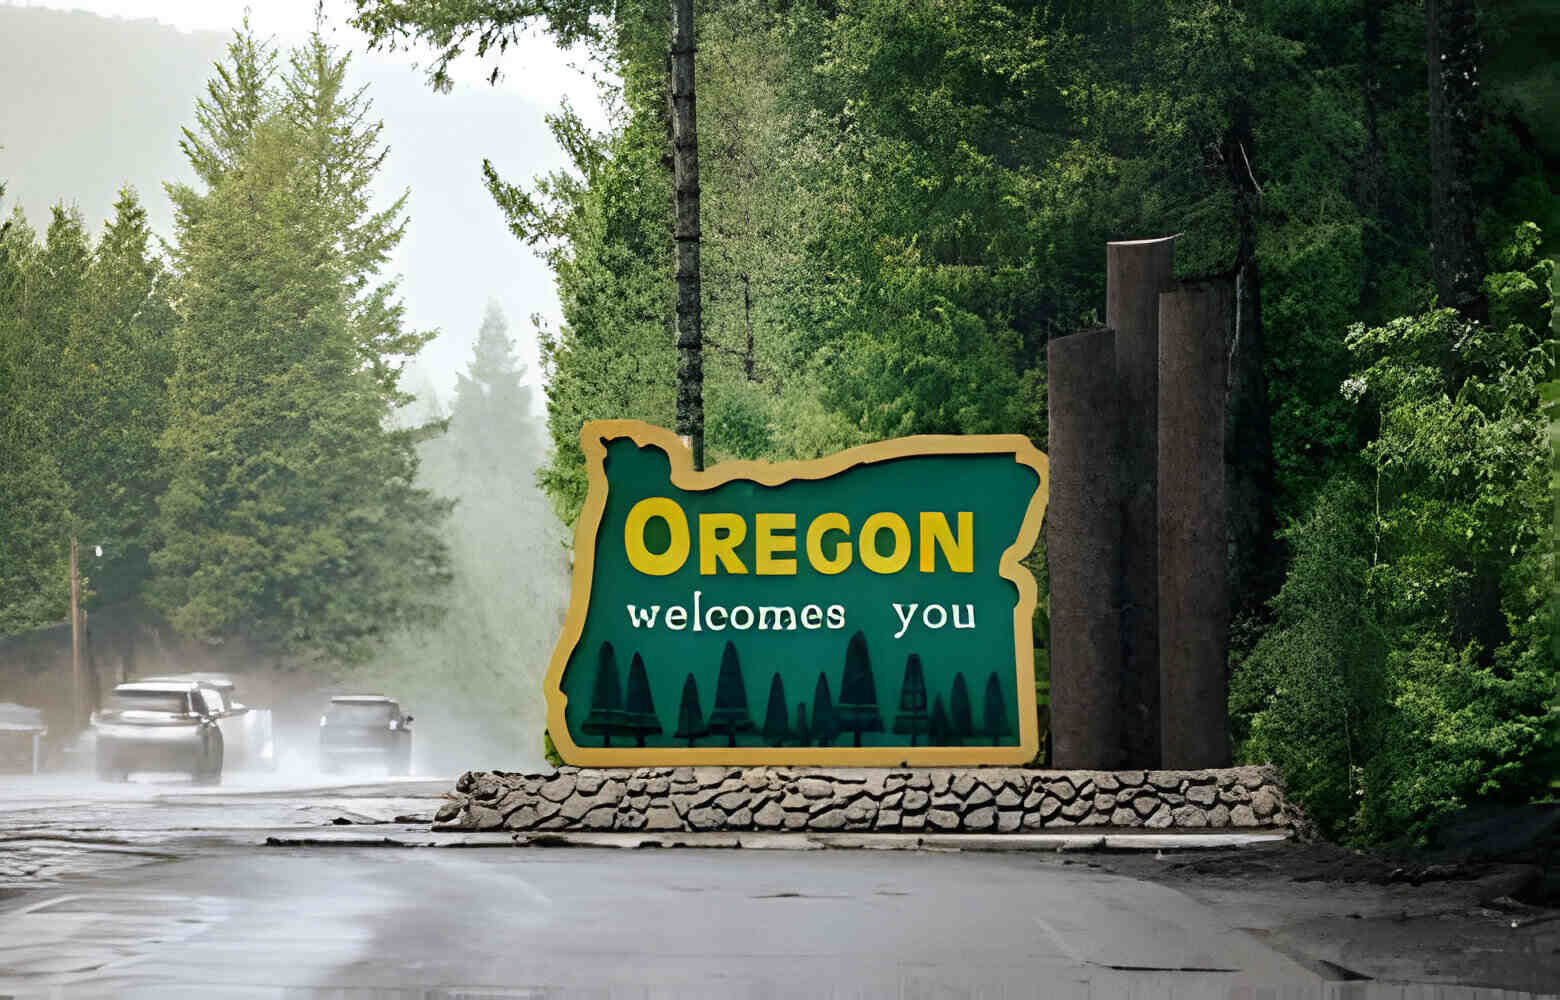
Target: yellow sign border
x=593, y=438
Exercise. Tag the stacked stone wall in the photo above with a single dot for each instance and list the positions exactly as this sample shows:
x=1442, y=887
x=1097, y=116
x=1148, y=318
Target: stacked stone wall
x=804, y=800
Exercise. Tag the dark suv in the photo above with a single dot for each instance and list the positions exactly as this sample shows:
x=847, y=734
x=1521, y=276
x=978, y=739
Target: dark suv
x=366, y=729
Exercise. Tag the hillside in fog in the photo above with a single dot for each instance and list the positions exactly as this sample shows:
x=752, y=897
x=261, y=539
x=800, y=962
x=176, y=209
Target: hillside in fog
x=90, y=103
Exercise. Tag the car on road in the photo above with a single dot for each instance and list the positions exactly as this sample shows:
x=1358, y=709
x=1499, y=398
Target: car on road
x=160, y=726
x=246, y=731
x=365, y=729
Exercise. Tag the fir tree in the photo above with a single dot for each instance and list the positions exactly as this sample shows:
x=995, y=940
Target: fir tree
x=994, y=717
x=857, y=708
x=639, y=708
x=290, y=513
x=941, y=728
x=690, y=715
x=776, y=732
x=801, y=732
x=961, y=724
x=912, y=717
x=825, y=723
x=730, y=714
x=606, y=716
x=237, y=100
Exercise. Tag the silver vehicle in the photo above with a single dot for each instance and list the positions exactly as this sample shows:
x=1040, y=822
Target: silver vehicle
x=246, y=730
x=160, y=726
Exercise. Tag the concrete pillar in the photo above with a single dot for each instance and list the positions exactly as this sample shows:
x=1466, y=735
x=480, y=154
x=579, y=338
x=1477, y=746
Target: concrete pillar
x=1082, y=537
x=1193, y=592
x=1135, y=273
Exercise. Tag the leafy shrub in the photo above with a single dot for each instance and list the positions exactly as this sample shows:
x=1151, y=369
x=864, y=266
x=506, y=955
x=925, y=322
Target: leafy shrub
x=1409, y=671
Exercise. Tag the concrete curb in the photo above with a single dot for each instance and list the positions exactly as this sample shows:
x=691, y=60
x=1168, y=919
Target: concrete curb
x=1051, y=842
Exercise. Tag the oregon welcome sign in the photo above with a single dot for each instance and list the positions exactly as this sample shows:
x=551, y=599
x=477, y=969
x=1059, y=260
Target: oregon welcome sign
x=867, y=608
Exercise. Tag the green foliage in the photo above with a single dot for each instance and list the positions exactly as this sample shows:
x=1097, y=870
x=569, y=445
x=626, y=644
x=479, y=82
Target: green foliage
x=34, y=581
x=84, y=361
x=1308, y=696
x=1409, y=671
x=291, y=512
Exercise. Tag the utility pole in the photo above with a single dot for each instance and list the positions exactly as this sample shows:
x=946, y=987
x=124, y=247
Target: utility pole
x=75, y=635
x=685, y=184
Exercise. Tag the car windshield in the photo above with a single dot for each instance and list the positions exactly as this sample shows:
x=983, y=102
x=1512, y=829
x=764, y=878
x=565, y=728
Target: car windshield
x=148, y=701
x=362, y=713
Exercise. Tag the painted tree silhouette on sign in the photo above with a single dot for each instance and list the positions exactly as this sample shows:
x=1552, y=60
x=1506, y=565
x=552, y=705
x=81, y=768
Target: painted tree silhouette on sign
x=730, y=715
x=690, y=715
x=800, y=732
x=639, y=718
x=776, y=732
x=961, y=724
x=826, y=724
x=912, y=718
x=942, y=729
x=994, y=718
x=858, y=709
x=606, y=716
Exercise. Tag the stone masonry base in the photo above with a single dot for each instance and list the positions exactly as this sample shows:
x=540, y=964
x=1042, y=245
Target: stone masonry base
x=934, y=800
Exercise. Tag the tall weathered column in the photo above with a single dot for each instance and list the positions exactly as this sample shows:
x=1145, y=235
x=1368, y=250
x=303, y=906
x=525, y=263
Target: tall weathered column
x=1193, y=590
x=1135, y=273
x=1083, y=545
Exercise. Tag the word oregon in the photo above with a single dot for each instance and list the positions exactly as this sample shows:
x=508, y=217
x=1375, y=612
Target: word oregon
x=827, y=542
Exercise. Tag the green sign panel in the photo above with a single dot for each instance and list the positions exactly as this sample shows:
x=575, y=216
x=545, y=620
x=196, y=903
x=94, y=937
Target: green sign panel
x=863, y=609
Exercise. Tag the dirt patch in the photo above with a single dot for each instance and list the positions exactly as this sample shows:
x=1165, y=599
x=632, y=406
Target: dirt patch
x=1470, y=922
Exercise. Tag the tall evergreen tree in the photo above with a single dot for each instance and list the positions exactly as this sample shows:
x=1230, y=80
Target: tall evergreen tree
x=491, y=426
x=994, y=716
x=961, y=724
x=606, y=717
x=825, y=722
x=290, y=514
x=639, y=718
x=730, y=714
x=775, y=730
x=941, y=728
x=912, y=718
x=238, y=98
x=858, y=709
x=121, y=349
x=34, y=581
x=690, y=715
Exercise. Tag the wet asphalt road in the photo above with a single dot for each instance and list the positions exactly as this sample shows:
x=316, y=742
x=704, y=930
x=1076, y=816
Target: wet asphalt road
x=162, y=890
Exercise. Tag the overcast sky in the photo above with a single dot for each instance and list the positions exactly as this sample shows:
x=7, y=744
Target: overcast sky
x=457, y=253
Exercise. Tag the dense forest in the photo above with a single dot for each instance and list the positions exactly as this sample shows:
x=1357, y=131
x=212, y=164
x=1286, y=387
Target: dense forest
x=902, y=201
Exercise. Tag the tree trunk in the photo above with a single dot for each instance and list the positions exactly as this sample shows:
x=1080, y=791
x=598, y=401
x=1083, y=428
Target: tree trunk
x=77, y=715
x=748, y=364
x=1253, y=565
x=685, y=181
x=1452, y=53
x=1372, y=174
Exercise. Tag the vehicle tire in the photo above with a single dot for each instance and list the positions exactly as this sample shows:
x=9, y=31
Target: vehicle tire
x=208, y=766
